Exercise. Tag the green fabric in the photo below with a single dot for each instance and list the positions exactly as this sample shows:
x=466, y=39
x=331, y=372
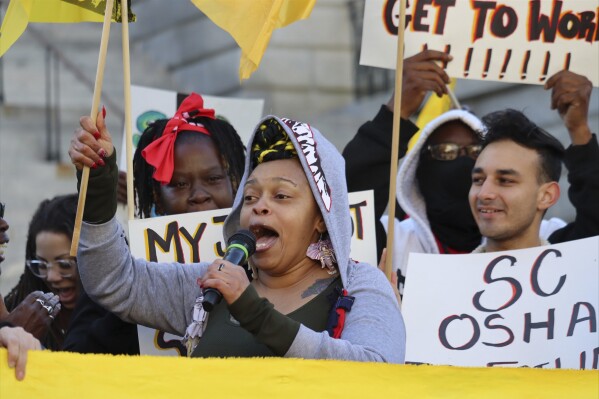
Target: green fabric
x=261, y=330
x=100, y=201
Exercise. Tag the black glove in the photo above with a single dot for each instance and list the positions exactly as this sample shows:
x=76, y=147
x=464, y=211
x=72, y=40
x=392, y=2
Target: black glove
x=100, y=201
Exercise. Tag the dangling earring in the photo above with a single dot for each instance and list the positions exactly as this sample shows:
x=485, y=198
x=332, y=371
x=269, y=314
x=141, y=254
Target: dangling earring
x=252, y=268
x=322, y=250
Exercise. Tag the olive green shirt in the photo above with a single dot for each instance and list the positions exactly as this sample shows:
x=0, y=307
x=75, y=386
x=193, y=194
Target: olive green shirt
x=225, y=337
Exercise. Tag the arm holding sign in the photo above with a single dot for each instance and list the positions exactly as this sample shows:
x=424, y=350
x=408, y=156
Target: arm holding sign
x=570, y=96
x=368, y=154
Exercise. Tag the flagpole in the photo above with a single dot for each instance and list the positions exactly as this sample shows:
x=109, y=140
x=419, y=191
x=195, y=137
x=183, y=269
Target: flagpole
x=93, y=115
x=127, y=90
x=395, y=141
x=453, y=98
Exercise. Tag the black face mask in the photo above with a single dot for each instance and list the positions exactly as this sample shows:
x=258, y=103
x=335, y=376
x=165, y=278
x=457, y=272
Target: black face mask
x=445, y=186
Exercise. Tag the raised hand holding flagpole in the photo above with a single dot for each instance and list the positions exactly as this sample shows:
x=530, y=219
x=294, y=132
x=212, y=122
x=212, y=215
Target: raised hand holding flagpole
x=93, y=115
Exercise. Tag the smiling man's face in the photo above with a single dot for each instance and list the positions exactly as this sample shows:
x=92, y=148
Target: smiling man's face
x=507, y=198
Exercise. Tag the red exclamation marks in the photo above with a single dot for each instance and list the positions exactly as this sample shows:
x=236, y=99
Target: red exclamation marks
x=567, y=61
x=545, y=66
x=446, y=51
x=525, y=65
x=487, y=63
x=468, y=59
x=506, y=61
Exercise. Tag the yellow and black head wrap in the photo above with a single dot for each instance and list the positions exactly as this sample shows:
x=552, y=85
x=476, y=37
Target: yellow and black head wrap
x=271, y=143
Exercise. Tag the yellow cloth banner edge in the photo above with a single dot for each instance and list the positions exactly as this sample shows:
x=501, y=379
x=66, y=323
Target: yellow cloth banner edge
x=147, y=377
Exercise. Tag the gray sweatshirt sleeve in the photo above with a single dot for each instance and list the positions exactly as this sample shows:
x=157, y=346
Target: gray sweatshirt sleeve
x=374, y=328
x=157, y=295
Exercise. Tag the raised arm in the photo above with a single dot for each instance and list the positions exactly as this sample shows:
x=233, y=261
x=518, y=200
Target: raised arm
x=570, y=96
x=157, y=295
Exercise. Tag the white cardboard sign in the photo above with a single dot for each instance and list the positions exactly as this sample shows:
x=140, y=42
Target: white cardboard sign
x=519, y=41
x=535, y=307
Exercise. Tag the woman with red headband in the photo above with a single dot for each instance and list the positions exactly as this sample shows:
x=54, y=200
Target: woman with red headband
x=191, y=162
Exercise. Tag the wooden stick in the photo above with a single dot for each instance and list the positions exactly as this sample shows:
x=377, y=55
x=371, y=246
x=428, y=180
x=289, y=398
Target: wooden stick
x=395, y=141
x=453, y=98
x=93, y=115
x=127, y=90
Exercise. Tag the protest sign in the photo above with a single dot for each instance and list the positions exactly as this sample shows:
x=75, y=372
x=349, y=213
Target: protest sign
x=195, y=237
x=511, y=40
x=534, y=307
x=149, y=104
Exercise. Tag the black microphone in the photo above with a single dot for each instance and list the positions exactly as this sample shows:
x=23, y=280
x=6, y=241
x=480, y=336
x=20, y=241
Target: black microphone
x=240, y=247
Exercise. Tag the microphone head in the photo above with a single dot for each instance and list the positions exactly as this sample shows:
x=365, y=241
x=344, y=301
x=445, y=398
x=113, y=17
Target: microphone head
x=245, y=238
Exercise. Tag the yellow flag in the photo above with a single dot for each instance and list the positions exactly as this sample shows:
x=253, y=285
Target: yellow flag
x=251, y=23
x=21, y=12
x=434, y=107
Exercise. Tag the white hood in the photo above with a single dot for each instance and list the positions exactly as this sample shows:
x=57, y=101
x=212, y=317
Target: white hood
x=408, y=194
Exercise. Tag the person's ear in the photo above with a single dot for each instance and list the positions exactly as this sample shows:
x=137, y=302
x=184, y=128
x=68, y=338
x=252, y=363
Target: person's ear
x=321, y=226
x=548, y=195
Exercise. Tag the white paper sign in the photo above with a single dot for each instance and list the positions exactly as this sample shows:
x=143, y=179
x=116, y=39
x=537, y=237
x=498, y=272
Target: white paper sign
x=195, y=237
x=535, y=307
x=148, y=105
x=520, y=41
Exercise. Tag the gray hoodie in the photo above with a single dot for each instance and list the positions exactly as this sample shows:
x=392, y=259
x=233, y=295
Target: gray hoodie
x=162, y=295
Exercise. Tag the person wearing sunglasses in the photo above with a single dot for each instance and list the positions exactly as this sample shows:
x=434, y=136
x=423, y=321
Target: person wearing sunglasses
x=368, y=154
x=432, y=189
x=432, y=211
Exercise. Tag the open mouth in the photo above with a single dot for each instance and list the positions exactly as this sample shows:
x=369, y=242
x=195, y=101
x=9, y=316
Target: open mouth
x=66, y=295
x=2, y=248
x=265, y=237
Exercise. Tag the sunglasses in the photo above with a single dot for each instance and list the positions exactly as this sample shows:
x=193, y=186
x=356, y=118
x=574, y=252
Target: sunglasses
x=65, y=267
x=2, y=208
x=451, y=151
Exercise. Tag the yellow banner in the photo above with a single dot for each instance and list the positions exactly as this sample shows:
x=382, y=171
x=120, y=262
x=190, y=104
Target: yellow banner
x=147, y=377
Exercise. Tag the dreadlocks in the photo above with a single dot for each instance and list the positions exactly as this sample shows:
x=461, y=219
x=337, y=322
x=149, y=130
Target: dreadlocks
x=223, y=135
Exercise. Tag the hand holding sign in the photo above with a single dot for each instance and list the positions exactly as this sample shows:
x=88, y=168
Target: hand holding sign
x=423, y=73
x=571, y=95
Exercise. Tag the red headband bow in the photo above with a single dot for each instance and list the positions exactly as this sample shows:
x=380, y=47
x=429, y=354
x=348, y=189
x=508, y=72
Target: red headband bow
x=161, y=152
